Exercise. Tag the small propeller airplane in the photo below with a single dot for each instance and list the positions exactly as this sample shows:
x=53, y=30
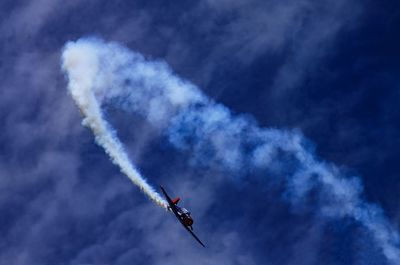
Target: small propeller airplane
x=182, y=214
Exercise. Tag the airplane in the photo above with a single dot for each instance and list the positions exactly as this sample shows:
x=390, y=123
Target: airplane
x=182, y=214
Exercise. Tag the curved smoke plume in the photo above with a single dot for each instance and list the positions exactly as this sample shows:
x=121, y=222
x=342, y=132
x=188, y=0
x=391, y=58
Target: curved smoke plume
x=107, y=72
x=82, y=65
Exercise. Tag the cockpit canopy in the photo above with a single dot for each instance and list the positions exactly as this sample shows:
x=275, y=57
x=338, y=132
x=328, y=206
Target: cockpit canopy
x=185, y=211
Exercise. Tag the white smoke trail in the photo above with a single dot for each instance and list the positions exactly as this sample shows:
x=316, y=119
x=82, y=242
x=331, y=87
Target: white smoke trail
x=81, y=64
x=107, y=72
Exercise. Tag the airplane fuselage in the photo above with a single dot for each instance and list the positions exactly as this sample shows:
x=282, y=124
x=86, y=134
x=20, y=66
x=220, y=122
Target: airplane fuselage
x=186, y=218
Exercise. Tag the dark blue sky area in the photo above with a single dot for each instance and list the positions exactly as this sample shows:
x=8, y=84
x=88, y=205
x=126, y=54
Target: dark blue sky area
x=327, y=68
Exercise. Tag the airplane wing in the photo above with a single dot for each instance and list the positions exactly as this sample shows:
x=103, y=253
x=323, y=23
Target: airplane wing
x=193, y=234
x=172, y=206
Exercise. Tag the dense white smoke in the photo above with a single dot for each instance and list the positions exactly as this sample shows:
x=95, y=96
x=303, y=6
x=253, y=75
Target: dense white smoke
x=102, y=72
x=82, y=65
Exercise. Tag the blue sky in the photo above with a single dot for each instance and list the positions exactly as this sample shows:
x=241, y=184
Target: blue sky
x=327, y=69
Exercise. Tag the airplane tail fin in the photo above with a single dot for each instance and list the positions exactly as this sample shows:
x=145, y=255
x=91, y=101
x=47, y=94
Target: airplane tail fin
x=176, y=200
